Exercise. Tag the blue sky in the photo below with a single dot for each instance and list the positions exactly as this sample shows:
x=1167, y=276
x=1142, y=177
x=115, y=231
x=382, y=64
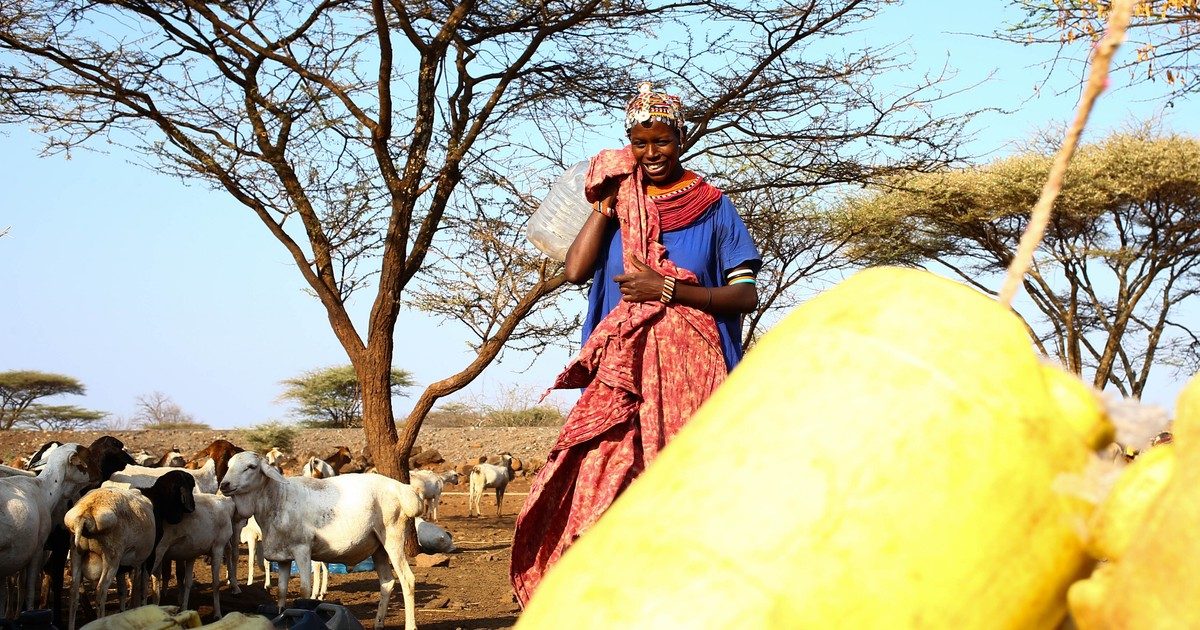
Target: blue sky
x=134, y=282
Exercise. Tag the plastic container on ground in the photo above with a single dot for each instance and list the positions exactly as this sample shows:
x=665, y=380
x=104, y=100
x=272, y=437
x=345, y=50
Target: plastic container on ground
x=311, y=614
x=561, y=215
x=432, y=538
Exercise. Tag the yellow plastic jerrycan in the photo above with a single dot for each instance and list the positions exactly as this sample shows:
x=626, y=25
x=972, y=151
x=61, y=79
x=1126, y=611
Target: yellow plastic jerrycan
x=1149, y=530
x=883, y=458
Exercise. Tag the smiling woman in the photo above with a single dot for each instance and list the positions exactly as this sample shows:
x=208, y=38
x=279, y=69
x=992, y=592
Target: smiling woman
x=672, y=269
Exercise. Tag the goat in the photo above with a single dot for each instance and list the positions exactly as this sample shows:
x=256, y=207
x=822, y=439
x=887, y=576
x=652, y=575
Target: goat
x=485, y=476
x=106, y=455
x=143, y=458
x=29, y=508
x=318, y=469
x=110, y=528
x=207, y=531
x=143, y=477
x=338, y=459
x=171, y=459
x=251, y=534
x=219, y=451
x=341, y=519
x=172, y=495
x=40, y=457
x=428, y=485
x=9, y=471
x=276, y=457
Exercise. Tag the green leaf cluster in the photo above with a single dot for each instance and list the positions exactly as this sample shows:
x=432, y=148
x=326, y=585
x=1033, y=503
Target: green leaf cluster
x=262, y=437
x=331, y=397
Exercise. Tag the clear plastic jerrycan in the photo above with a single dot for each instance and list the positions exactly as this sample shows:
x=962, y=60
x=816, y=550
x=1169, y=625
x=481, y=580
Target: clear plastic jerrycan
x=561, y=215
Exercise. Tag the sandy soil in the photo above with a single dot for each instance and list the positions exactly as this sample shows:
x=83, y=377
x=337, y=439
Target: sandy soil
x=472, y=592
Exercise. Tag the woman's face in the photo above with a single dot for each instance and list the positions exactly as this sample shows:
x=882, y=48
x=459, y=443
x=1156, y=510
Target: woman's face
x=656, y=149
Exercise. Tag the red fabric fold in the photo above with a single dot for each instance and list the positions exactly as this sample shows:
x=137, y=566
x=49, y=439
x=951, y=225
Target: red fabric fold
x=646, y=368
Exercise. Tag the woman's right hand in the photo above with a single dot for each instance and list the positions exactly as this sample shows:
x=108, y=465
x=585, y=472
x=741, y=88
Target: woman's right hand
x=608, y=198
x=608, y=206
x=585, y=249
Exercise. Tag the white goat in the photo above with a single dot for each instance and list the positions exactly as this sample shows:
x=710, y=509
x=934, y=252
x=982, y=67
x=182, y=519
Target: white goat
x=9, y=471
x=111, y=528
x=143, y=457
x=317, y=468
x=429, y=485
x=485, y=476
x=143, y=477
x=29, y=506
x=205, y=532
x=252, y=536
x=341, y=519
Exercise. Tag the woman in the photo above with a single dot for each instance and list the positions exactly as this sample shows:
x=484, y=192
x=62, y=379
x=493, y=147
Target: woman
x=672, y=269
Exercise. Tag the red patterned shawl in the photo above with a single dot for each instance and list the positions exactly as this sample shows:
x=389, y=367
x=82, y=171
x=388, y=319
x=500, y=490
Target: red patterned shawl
x=646, y=368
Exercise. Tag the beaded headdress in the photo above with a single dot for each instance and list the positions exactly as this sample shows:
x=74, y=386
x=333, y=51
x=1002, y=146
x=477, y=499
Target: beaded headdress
x=653, y=106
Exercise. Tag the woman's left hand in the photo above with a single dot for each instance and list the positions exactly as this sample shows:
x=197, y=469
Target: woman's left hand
x=642, y=285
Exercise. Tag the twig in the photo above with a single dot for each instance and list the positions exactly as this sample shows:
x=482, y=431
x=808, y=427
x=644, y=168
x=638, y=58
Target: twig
x=1118, y=21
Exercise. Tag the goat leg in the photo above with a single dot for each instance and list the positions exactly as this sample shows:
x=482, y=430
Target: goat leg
x=285, y=574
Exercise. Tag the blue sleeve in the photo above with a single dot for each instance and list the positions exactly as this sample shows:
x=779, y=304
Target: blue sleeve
x=736, y=248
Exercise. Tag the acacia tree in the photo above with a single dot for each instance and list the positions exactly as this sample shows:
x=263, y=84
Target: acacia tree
x=1119, y=260
x=20, y=389
x=1164, y=35
x=60, y=417
x=331, y=397
x=349, y=127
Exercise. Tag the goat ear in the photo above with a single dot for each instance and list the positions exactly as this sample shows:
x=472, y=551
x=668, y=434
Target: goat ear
x=269, y=471
x=188, y=499
x=81, y=464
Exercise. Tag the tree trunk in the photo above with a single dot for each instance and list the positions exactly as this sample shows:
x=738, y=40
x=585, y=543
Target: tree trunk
x=374, y=373
x=379, y=426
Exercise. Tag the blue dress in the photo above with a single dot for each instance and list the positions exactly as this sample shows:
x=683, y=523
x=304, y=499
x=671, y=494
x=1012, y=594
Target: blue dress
x=709, y=247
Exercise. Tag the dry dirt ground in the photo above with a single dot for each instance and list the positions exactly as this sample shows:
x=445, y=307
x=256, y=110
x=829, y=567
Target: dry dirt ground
x=472, y=592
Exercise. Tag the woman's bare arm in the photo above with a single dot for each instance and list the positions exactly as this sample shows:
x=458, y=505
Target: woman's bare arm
x=581, y=256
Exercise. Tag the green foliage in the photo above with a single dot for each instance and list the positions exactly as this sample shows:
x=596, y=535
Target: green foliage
x=454, y=414
x=331, y=397
x=539, y=416
x=20, y=388
x=510, y=413
x=60, y=418
x=262, y=437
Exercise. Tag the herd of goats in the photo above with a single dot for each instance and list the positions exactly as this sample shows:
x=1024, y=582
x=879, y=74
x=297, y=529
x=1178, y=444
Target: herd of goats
x=110, y=514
